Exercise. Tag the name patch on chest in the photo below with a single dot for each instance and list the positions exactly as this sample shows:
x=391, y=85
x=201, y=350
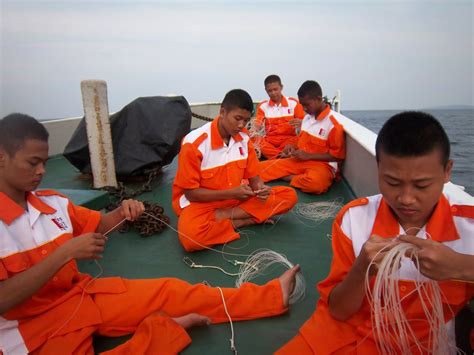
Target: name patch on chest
x=59, y=222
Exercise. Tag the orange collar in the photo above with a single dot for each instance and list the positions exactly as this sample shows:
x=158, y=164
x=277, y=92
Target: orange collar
x=10, y=210
x=216, y=139
x=324, y=113
x=440, y=226
x=284, y=102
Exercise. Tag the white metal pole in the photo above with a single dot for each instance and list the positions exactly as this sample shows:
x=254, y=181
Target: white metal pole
x=338, y=101
x=96, y=110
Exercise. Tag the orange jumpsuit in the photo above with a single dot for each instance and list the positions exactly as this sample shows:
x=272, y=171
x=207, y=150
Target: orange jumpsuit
x=278, y=132
x=206, y=162
x=450, y=224
x=61, y=316
x=322, y=134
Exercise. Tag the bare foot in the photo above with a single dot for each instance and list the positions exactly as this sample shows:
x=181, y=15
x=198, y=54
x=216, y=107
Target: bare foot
x=269, y=221
x=192, y=320
x=233, y=213
x=242, y=222
x=248, y=221
x=287, y=178
x=287, y=282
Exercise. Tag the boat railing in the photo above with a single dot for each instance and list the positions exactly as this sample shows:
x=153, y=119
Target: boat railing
x=359, y=168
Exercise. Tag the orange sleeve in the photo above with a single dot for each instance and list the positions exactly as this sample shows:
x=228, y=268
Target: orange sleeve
x=260, y=116
x=252, y=163
x=342, y=260
x=337, y=142
x=188, y=174
x=83, y=219
x=299, y=111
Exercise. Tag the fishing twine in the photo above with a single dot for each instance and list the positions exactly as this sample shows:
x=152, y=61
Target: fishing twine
x=257, y=262
x=73, y=314
x=264, y=259
x=393, y=332
x=318, y=211
x=257, y=135
x=101, y=271
x=196, y=242
x=232, y=337
x=193, y=265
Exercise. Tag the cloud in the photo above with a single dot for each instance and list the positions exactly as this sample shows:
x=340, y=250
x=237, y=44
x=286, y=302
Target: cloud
x=390, y=55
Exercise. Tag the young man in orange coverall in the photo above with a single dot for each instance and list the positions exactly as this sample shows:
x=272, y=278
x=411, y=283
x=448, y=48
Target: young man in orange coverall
x=311, y=164
x=210, y=194
x=412, y=153
x=48, y=307
x=281, y=117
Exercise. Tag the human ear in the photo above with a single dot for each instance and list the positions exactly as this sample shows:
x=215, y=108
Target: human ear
x=447, y=170
x=2, y=157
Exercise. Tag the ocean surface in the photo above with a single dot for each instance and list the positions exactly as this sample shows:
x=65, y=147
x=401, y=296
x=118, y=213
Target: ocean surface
x=459, y=125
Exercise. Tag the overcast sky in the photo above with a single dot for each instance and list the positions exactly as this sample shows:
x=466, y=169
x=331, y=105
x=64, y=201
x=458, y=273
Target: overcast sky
x=381, y=54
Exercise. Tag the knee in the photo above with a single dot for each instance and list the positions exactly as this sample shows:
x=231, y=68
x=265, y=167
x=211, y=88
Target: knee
x=290, y=195
x=188, y=234
x=287, y=194
x=316, y=186
x=312, y=183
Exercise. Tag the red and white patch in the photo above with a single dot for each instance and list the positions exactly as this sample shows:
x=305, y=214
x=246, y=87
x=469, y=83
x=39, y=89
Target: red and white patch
x=59, y=222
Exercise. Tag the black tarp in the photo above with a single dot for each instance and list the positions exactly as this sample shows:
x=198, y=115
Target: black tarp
x=146, y=134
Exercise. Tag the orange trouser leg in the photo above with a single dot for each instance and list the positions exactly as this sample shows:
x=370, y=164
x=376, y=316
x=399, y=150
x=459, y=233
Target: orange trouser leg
x=290, y=140
x=124, y=313
x=271, y=146
x=275, y=169
x=77, y=342
x=121, y=313
x=281, y=200
x=198, y=222
x=308, y=176
x=315, y=180
x=297, y=345
x=154, y=335
x=269, y=150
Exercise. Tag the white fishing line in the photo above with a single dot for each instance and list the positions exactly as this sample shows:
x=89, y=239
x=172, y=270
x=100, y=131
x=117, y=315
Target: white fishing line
x=264, y=259
x=319, y=211
x=232, y=337
x=101, y=271
x=393, y=331
x=256, y=263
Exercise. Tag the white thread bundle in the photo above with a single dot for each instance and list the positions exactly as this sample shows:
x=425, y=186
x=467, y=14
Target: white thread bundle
x=318, y=211
x=101, y=271
x=263, y=259
x=73, y=314
x=255, y=264
x=256, y=133
x=390, y=324
x=232, y=334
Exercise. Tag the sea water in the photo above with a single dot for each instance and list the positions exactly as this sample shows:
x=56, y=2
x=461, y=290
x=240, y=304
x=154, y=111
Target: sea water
x=459, y=125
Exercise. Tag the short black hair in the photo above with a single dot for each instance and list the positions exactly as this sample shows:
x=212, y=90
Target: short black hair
x=412, y=134
x=16, y=128
x=310, y=88
x=272, y=79
x=237, y=98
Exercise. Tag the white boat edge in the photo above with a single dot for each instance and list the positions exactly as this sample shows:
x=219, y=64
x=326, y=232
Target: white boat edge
x=359, y=168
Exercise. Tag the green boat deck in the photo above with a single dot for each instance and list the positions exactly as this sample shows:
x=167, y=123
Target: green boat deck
x=131, y=256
